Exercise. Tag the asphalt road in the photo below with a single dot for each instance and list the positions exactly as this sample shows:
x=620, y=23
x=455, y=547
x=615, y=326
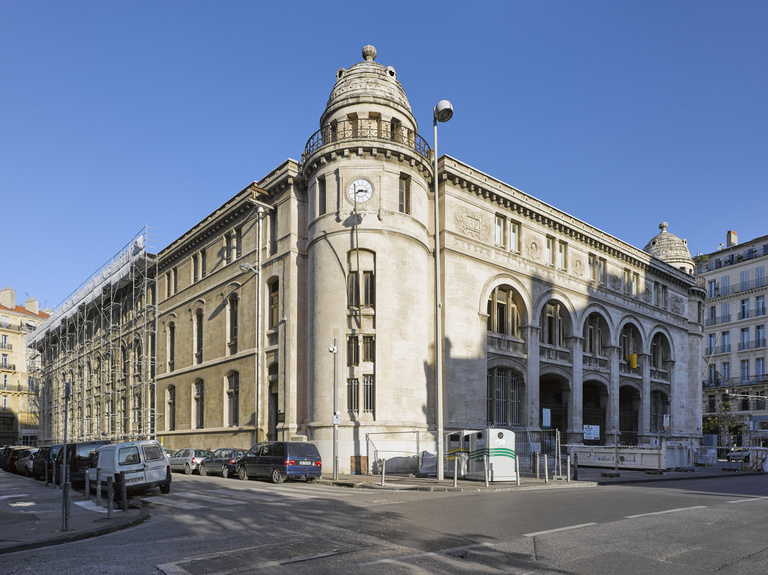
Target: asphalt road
x=212, y=526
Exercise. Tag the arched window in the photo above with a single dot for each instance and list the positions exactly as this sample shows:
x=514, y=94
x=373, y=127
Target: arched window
x=171, y=407
x=171, y=345
x=198, y=337
x=232, y=302
x=552, y=324
x=233, y=399
x=274, y=301
x=503, y=312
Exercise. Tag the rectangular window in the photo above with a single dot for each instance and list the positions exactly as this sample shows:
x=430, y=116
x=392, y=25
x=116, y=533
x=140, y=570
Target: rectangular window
x=744, y=342
x=725, y=312
x=514, y=237
x=744, y=370
x=561, y=255
x=171, y=346
x=499, y=232
x=592, y=259
x=175, y=276
x=627, y=282
x=274, y=299
x=725, y=285
x=232, y=343
x=726, y=346
x=320, y=196
x=233, y=399
x=273, y=232
x=369, y=349
x=369, y=290
x=744, y=313
x=551, y=251
x=198, y=337
x=759, y=305
x=404, y=195
x=352, y=395
x=712, y=289
x=760, y=336
x=202, y=263
x=228, y=249
x=168, y=284
x=238, y=243
x=369, y=394
x=759, y=276
x=195, y=267
x=744, y=280
x=760, y=367
x=353, y=353
x=601, y=270
x=725, y=371
x=635, y=284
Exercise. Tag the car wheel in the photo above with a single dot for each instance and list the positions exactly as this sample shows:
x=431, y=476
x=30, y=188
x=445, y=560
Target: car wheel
x=277, y=477
x=242, y=473
x=225, y=472
x=202, y=470
x=312, y=480
x=187, y=469
x=165, y=489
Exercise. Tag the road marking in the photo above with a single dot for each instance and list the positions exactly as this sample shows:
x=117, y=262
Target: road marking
x=428, y=554
x=752, y=499
x=558, y=529
x=165, y=500
x=200, y=496
x=667, y=511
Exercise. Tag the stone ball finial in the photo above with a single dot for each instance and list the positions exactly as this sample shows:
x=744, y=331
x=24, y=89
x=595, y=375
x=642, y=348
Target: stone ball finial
x=663, y=226
x=369, y=53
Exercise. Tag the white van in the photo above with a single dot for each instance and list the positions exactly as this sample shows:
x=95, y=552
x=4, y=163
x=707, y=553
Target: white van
x=144, y=462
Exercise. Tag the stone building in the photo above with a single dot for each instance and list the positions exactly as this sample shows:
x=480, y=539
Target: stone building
x=313, y=289
x=735, y=380
x=18, y=388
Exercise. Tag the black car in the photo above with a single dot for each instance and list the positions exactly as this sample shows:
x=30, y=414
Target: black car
x=45, y=458
x=221, y=462
x=79, y=459
x=280, y=460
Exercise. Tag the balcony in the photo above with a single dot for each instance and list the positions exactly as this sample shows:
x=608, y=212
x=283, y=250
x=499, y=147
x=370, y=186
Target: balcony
x=595, y=362
x=506, y=344
x=8, y=366
x=553, y=353
x=370, y=129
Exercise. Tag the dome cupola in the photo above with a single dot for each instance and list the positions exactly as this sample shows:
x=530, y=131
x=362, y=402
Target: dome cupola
x=670, y=249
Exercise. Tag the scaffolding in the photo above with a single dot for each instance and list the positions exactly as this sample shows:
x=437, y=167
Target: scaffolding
x=102, y=339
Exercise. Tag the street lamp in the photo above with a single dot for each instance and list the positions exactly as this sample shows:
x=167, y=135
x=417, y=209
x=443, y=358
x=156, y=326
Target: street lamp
x=336, y=415
x=442, y=112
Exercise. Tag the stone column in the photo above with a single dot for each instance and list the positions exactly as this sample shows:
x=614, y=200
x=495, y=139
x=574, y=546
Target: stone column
x=644, y=425
x=612, y=414
x=532, y=385
x=575, y=409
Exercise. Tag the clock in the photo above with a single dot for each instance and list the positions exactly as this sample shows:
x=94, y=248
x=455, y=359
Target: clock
x=360, y=190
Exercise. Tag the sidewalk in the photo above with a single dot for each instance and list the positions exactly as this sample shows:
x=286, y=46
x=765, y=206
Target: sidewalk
x=587, y=477
x=30, y=515
x=30, y=512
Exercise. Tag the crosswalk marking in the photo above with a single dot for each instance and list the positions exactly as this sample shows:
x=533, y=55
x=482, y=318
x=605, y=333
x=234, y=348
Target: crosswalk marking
x=217, y=500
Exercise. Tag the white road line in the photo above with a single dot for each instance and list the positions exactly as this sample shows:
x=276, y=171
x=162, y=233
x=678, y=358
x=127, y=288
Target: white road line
x=667, y=511
x=166, y=500
x=428, y=554
x=752, y=499
x=558, y=529
x=218, y=500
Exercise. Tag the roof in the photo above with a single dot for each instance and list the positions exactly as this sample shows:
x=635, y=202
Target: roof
x=20, y=309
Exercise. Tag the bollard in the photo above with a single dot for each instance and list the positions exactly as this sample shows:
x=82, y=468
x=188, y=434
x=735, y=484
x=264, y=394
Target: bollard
x=546, y=470
x=98, y=486
x=536, y=453
x=575, y=466
x=46, y=474
x=110, y=496
x=123, y=492
x=568, y=468
x=455, y=469
x=517, y=469
x=485, y=468
x=87, y=494
x=66, y=510
x=383, y=470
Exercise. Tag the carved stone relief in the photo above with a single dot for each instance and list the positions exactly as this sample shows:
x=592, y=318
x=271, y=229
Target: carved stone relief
x=473, y=225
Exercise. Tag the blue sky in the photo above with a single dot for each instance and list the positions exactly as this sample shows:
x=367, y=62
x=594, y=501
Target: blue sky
x=116, y=115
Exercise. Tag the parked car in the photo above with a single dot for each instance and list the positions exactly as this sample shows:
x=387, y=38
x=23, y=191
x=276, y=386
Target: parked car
x=739, y=454
x=79, y=459
x=280, y=460
x=188, y=459
x=24, y=462
x=144, y=462
x=222, y=462
x=6, y=453
x=13, y=457
x=45, y=457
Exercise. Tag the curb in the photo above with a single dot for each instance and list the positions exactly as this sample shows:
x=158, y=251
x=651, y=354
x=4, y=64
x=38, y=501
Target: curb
x=78, y=535
x=657, y=478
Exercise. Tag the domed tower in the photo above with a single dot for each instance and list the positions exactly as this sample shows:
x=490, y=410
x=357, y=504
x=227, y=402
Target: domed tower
x=670, y=249
x=370, y=263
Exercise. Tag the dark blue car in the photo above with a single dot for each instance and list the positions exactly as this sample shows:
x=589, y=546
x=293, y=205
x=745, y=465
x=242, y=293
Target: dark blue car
x=281, y=460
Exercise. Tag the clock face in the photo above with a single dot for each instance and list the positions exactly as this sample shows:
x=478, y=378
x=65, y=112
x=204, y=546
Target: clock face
x=360, y=190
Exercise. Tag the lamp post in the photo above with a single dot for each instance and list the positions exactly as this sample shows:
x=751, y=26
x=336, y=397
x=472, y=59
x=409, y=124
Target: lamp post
x=336, y=415
x=442, y=112
x=246, y=268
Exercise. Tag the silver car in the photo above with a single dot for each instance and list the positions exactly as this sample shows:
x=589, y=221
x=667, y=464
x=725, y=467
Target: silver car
x=24, y=462
x=188, y=459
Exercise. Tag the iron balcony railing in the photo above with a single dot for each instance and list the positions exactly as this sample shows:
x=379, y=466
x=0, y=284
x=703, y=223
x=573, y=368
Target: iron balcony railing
x=366, y=129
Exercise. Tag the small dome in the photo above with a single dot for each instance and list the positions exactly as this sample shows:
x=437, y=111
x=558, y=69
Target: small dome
x=367, y=83
x=670, y=249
